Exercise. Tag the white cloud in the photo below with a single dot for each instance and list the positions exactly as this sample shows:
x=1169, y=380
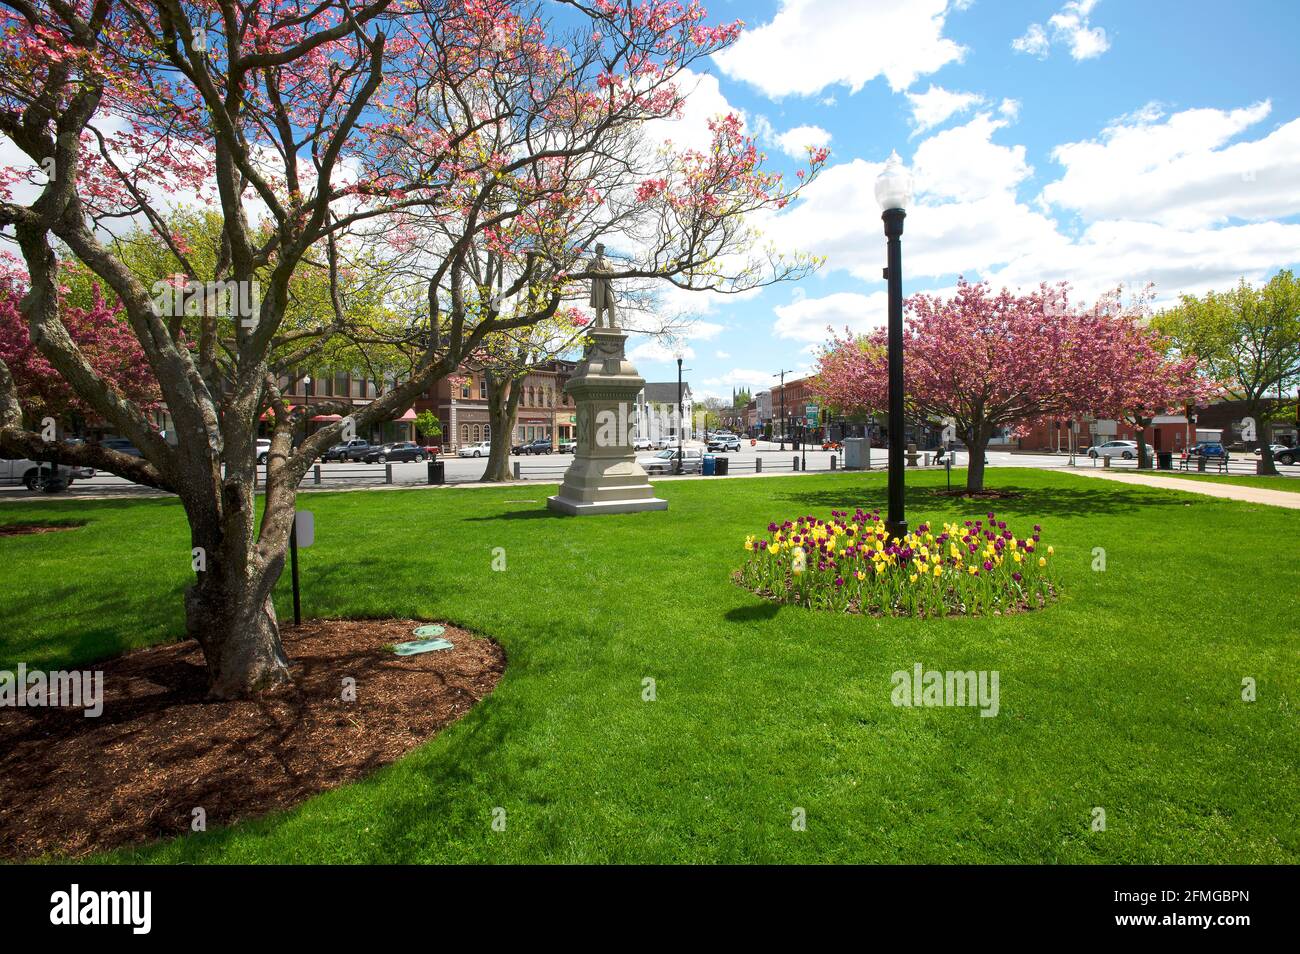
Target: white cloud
x=796, y=142
x=657, y=350
x=1181, y=171
x=1148, y=215
x=812, y=44
x=936, y=105
x=1070, y=26
x=808, y=318
x=702, y=330
x=722, y=355
x=1034, y=42
x=964, y=163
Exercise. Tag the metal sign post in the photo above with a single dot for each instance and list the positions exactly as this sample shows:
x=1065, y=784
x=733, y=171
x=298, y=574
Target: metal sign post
x=302, y=533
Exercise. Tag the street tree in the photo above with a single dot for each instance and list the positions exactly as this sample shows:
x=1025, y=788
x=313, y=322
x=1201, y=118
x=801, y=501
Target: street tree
x=431, y=129
x=986, y=362
x=1248, y=339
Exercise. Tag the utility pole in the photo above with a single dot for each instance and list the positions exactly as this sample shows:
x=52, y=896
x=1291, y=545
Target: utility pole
x=781, y=374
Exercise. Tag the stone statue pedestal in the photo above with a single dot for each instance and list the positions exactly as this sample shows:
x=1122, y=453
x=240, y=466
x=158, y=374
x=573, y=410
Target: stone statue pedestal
x=604, y=476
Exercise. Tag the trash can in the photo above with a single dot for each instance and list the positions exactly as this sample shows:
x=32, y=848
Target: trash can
x=709, y=463
x=720, y=465
x=1165, y=460
x=437, y=472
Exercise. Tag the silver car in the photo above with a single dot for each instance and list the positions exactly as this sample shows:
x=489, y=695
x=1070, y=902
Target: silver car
x=665, y=461
x=1124, y=450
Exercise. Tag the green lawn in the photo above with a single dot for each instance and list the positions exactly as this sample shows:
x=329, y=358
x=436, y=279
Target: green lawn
x=1125, y=695
x=1280, y=482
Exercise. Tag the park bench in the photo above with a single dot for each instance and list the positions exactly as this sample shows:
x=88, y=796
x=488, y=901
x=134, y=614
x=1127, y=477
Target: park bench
x=1203, y=463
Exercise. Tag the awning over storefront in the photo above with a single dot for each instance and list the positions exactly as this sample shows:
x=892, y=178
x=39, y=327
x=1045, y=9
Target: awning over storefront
x=327, y=418
x=408, y=416
x=268, y=413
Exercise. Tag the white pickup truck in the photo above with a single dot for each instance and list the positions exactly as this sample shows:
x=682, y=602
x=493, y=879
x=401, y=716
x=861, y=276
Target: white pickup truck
x=33, y=474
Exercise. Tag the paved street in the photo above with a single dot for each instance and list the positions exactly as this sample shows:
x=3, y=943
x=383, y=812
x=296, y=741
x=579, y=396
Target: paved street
x=550, y=468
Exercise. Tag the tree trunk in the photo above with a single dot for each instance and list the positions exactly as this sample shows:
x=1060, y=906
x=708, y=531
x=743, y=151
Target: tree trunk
x=1144, y=459
x=977, y=442
x=236, y=627
x=1264, y=433
x=503, y=403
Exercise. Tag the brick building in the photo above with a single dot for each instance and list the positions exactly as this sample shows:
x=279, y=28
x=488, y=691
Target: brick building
x=544, y=409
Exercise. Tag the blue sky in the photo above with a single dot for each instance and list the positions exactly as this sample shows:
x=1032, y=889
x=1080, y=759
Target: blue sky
x=1105, y=143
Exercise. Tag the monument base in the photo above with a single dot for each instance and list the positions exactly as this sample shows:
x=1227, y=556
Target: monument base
x=575, y=508
x=605, y=476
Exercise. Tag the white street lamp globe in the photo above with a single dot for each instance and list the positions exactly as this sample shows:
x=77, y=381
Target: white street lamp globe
x=894, y=185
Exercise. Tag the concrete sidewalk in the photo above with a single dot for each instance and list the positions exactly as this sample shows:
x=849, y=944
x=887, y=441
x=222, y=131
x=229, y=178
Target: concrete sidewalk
x=1259, y=495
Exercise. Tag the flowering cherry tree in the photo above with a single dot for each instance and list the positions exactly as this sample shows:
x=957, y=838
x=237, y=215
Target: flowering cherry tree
x=1144, y=380
x=482, y=149
x=986, y=361
x=99, y=331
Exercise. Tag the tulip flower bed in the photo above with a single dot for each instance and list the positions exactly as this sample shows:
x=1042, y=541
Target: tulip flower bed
x=848, y=564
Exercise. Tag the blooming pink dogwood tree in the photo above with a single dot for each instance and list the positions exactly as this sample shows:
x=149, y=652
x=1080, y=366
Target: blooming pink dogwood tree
x=484, y=148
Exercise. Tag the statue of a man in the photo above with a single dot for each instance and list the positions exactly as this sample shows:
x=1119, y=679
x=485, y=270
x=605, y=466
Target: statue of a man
x=602, y=291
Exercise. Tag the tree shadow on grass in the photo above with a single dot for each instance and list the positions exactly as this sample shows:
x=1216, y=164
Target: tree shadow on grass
x=753, y=613
x=1031, y=501
x=541, y=513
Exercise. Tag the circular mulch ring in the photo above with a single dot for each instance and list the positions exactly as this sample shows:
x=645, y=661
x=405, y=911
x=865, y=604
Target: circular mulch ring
x=25, y=529
x=71, y=785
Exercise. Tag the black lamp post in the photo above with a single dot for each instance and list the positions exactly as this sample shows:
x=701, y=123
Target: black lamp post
x=893, y=192
x=678, y=468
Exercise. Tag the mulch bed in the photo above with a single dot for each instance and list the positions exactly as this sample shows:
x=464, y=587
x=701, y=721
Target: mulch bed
x=23, y=529
x=71, y=785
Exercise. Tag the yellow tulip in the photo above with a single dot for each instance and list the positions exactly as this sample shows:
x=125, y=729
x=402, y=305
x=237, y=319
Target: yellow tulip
x=1042, y=561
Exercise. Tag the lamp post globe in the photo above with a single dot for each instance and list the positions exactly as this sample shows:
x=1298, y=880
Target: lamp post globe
x=894, y=193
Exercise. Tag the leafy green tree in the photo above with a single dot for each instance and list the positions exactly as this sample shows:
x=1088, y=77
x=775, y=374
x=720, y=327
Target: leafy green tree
x=1248, y=339
x=428, y=425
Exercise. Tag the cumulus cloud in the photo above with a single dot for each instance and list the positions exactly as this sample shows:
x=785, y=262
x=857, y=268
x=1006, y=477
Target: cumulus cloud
x=796, y=142
x=808, y=318
x=936, y=105
x=1148, y=214
x=821, y=43
x=1182, y=170
x=1071, y=27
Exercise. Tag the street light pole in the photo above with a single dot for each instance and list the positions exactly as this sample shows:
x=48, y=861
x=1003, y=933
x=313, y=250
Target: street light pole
x=678, y=468
x=781, y=374
x=893, y=192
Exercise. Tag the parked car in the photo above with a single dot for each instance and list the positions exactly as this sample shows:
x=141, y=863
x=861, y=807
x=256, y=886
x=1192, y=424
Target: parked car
x=643, y=443
x=481, y=449
x=567, y=447
x=663, y=443
x=263, y=448
x=34, y=474
x=665, y=461
x=724, y=443
x=540, y=446
x=1125, y=450
x=1288, y=455
x=1208, y=449
x=349, y=450
x=1275, y=448
x=121, y=445
x=402, y=451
